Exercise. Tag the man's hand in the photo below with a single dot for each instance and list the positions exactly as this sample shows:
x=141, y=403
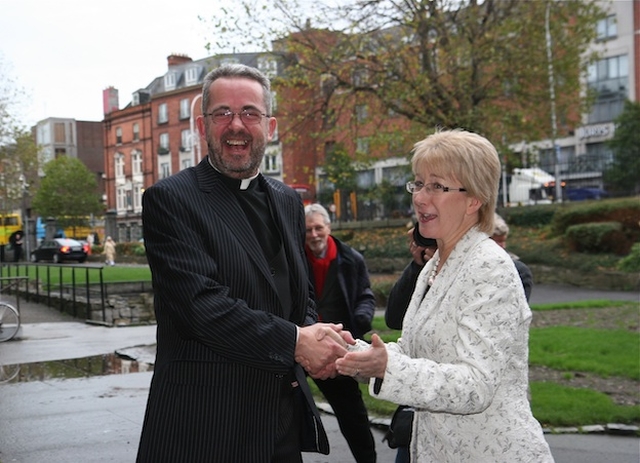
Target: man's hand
x=318, y=347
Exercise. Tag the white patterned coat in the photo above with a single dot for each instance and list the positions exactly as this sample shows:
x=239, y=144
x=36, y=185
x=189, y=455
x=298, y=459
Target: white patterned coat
x=462, y=361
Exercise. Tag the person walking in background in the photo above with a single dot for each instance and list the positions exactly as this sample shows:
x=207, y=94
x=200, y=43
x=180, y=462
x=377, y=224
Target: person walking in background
x=16, y=241
x=462, y=360
x=343, y=295
x=232, y=297
x=500, y=234
x=110, y=251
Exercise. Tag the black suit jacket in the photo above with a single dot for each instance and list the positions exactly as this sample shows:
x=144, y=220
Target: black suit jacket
x=223, y=348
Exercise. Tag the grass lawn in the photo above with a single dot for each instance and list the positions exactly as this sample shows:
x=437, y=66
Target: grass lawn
x=603, y=352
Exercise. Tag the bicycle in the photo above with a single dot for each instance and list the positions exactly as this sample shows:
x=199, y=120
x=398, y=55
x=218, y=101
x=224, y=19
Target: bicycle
x=9, y=321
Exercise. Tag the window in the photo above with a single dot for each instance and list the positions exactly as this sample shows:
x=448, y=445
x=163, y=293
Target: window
x=163, y=143
x=609, y=79
x=328, y=84
x=119, y=160
x=361, y=112
x=270, y=162
x=121, y=195
x=118, y=135
x=185, y=140
x=137, y=197
x=228, y=60
x=136, y=132
x=165, y=169
x=185, y=108
x=170, y=79
x=191, y=75
x=362, y=145
x=136, y=162
x=186, y=163
x=163, y=114
x=607, y=28
x=58, y=133
x=360, y=77
x=268, y=65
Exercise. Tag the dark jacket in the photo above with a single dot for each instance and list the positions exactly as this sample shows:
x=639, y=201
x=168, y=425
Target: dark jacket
x=355, y=286
x=223, y=347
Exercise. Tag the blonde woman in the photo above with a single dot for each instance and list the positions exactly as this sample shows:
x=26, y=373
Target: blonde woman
x=462, y=359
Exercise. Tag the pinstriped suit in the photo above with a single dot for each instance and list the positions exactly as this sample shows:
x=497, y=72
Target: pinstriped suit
x=223, y=347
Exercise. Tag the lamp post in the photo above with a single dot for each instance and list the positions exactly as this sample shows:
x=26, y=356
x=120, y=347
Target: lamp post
x=552, y=95
x=195, y=139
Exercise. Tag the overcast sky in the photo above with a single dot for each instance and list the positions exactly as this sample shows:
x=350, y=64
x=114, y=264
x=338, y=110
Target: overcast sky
x=64, y=53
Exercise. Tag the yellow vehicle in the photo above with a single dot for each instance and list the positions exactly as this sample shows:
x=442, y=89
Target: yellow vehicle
x=9, y=224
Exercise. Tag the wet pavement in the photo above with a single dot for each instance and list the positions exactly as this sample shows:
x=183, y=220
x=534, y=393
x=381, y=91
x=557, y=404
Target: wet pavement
x=98, y=418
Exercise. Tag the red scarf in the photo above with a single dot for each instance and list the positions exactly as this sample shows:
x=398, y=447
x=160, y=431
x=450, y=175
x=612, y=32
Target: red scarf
x=320, y=265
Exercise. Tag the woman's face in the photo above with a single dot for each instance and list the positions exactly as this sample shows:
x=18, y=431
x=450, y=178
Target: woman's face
x=443, y=215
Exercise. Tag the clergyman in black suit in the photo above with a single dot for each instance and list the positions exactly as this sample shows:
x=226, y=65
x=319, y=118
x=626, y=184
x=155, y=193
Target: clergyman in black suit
x=232, y=296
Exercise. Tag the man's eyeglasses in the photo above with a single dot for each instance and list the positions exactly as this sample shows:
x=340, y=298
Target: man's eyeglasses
x=433, y=189
x=247, y=116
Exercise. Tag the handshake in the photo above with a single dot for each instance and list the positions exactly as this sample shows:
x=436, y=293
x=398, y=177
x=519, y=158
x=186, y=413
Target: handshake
x=319, y=346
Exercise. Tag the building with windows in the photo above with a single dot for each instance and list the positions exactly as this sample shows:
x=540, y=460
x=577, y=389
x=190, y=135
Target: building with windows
x=155, y=136
x=56, y=136
x=580, y=159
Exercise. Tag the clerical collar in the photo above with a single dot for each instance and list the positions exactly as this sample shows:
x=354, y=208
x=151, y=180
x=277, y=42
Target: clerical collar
x=242, y=184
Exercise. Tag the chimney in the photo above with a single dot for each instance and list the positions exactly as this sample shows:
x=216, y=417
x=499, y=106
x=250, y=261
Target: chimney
x=176, y=59
x=110, y=101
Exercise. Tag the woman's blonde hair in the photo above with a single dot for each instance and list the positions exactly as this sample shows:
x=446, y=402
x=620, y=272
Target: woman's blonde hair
x=468, y=158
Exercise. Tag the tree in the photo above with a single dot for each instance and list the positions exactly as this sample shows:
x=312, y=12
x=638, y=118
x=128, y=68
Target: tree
x=479, y=65
x=68, y=192
x=624, y=174
x=18, y=171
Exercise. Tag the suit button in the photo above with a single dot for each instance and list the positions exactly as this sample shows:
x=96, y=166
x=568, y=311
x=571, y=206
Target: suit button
x=273, y=272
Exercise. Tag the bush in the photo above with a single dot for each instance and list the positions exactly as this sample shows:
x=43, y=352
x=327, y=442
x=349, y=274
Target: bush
x=631, y=263
x=600, y=237
x=529, y=216
x=625, y=211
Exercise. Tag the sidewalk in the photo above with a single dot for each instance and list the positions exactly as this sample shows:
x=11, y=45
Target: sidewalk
x=98, y=419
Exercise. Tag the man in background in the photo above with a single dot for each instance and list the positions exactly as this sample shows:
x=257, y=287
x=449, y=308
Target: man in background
x=343, y=295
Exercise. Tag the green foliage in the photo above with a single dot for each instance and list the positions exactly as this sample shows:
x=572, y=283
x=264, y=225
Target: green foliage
x=591, y=304
x=556, y=405
x=600, y=237
x=631, y=263
x=340, y=169
x=68, y=192
x=624, y=173
x=381, y=242
x=409, y=51
x=530, y=216
x=623, y=210
x=604, y=352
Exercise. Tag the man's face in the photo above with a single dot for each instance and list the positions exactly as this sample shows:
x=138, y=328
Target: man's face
x=236, y=149
x=317, y=234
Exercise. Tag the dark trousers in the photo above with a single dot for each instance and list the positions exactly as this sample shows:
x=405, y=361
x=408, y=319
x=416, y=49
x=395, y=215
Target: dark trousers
x=344, y=396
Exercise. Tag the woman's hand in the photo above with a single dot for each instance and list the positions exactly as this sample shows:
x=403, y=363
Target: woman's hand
x=370, y=363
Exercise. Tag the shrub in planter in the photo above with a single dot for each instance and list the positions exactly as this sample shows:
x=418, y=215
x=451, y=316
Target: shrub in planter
x=599, y=237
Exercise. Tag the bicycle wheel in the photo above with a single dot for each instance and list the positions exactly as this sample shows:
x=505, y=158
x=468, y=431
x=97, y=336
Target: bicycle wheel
x=9, y=321
x=8, y=372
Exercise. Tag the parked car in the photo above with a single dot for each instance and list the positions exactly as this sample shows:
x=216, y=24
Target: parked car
x=59, y=250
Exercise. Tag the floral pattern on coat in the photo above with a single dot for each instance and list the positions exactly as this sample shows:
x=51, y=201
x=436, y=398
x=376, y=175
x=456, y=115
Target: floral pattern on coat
x=462, y=361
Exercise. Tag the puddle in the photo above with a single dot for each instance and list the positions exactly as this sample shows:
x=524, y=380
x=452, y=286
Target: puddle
x=99, y=365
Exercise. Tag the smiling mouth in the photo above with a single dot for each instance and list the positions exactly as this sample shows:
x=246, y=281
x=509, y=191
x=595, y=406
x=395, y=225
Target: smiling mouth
x=236, y=142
